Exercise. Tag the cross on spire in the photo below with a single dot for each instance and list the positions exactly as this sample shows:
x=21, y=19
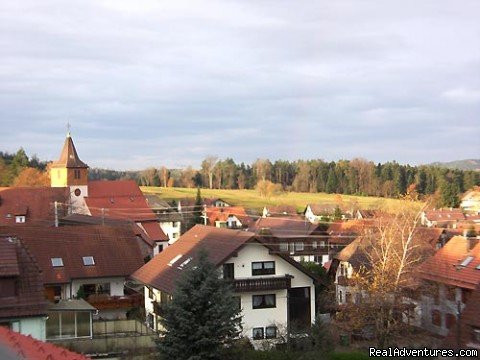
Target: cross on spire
x=68, y=129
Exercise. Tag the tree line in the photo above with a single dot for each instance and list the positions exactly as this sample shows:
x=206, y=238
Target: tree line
x=352, y=177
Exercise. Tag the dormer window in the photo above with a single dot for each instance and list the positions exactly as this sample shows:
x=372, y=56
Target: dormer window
x=88, y=261
x=467, y=261
x=20, y=219
x=57, y=262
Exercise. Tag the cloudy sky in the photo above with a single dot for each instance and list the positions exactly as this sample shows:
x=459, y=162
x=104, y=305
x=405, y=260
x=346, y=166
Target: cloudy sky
x=151, y=83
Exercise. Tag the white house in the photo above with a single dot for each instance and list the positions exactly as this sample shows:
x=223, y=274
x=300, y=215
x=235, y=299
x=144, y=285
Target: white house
x=272, y=289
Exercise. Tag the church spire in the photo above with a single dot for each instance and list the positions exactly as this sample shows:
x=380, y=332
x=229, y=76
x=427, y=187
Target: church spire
x=69, y=170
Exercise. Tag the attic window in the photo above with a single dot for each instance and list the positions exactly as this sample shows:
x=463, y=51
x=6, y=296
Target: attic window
x=57, y=262
x=184, y=263
x=467, y=261
x=88, y=261
x=478, y=267
x=20, y=218
x=174, y=260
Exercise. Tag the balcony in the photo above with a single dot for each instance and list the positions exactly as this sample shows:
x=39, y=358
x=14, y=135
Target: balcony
x=158, y=308
x=262, y=284
x=107, y=302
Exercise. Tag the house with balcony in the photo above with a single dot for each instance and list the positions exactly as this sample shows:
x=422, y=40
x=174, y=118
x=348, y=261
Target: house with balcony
x=294, y=237
x=450, y=277
x=272, y=289
x=90, y=262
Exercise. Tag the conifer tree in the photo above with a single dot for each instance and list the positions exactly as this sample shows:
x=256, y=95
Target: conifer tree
x=203, y=317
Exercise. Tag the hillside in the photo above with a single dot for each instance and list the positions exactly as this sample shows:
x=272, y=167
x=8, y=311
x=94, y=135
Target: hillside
x=250, y=199
x=468, y=164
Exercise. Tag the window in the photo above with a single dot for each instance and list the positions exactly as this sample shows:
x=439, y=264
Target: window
x=476, y=335
x=270, y=332
x=436, y=318
x=150, y=292
x=264, y=301
x=258, y=333
x=263, y=268
x=88, y=261
x=283, y=246
x=76, y=173
x=174, y=260
x=451, y=291
x=340, y=297
x=20, y=219
x=228, y=271
x=7, y=287
x=57, y=262
x=450, y=320
x=314, y=245
x=299, y=246
x=348, y=298
x=322, y=243
x=467, y=261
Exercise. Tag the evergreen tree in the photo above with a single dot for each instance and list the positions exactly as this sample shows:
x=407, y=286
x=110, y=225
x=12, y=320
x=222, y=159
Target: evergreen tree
x=203, y=318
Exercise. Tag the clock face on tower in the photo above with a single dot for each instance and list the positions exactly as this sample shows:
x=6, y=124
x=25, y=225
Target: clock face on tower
x=77, y=192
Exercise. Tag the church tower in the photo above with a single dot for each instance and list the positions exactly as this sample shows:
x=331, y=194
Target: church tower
x=70, y=171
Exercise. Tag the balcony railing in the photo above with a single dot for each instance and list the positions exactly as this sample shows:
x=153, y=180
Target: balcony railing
x=261, y=284
x=158, y=308
x=107, y=302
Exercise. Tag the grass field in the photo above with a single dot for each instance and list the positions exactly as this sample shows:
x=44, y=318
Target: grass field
x=250, y=199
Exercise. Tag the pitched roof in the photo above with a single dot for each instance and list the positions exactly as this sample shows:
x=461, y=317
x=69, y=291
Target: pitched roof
x=26, y=347
x=320, y=209
x=281, y=210
x=115, y=250
x=223, y=213
x=155, y=202
x=69, y=157
x=284, y=227
x=446, y=265
x=220, y=244
x=123, y=199
x=29, y=299
x=37, y=203
x=445, y=215
x=164, y=269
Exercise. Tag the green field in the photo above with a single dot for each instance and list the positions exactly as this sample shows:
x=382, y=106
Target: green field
x=250, y=199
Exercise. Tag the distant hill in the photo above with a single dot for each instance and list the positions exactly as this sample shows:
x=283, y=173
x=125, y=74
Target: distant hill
x=469, y=164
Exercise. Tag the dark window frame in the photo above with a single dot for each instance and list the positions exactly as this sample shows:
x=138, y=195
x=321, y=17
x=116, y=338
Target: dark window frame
x=263, y=270
x=256, y=330
x=263, y=301
x=274, y=336
x=229, y=271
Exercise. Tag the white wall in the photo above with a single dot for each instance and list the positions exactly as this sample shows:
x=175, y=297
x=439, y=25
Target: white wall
x=278, y=315
x=172, y=230
x=34, y=326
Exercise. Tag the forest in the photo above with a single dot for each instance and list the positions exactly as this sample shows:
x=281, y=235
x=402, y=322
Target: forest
x=352, y=177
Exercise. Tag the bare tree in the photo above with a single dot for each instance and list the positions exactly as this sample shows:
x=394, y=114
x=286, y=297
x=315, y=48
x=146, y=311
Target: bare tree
x=391, y=250
x=208, y=164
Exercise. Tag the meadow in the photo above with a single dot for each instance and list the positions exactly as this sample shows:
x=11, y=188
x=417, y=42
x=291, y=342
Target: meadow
x=251, y=199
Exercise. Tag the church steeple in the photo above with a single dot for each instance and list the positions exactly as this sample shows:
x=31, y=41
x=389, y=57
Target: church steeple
x=68, y=170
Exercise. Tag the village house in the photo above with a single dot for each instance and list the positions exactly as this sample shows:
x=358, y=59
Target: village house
x=445, y=218
x=316, y=213
x=470, y=202
x=23, y=307
x=231, y=217
x=294, y=237
x=169, y=217
x=451, y=276
x=271, y=288
x=215, y=202
x=283, y=210
x=93, y=263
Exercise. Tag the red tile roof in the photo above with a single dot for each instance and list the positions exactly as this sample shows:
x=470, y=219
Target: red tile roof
x=223, y=213
x=445, y=215
x=445, y=266
x=69, y=157
x=115, y=250
x=29, y=298
x=284, y=227
x=37, y=203
x=282, y=210
x=220, y=244
x=26, y=347
x=123, y=199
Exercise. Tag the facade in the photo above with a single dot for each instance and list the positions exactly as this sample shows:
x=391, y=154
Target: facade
x=170, y=218
x=471, y=201
x=294, y=237
x=450, y=276
x=272, y=289
x=231, y=217
x=22, y=304
x=92, y=263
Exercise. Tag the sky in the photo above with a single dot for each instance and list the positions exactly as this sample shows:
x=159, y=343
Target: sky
x=150, y=83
